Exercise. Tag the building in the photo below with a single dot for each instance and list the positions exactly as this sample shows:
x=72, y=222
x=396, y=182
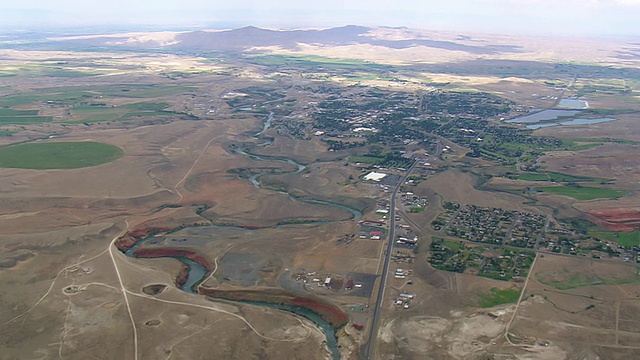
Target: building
x=374, y=176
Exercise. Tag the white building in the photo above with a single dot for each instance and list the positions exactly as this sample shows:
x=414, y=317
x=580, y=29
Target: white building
x=375, y=176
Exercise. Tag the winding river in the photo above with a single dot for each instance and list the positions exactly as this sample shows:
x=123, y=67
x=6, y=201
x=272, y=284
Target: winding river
x=197, y=272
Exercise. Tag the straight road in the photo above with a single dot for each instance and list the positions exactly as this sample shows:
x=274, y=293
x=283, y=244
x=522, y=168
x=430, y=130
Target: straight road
x=369, y=352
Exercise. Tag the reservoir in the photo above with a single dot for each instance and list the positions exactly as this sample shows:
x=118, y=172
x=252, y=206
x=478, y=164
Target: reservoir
x=544, y=115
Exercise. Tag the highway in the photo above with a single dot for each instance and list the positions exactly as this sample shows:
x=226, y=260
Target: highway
x=369, y=351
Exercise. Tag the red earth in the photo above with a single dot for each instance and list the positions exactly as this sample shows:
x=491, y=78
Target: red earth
x=617, y=219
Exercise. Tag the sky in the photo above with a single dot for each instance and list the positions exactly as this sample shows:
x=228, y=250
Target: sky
x=565, y=17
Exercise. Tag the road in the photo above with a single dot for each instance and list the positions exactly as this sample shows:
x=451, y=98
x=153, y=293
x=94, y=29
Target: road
x=385, y=269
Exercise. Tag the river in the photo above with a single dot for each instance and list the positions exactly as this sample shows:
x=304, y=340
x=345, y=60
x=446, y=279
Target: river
x=197, y=272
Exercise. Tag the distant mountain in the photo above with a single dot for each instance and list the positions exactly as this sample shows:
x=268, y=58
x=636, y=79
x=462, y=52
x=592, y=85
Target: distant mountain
x=250, y=37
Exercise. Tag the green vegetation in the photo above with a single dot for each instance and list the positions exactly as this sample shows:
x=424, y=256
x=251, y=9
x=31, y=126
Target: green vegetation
x=366, y=160
x=554, y=177
x=80, y=95
x=4, y=120
x=69, y=73
x=582, y=193
x=498, y=297
x=58, y=69
x=529, y=177
x=580, y=280
x=11, y=112
x=588, y=229
x=96, y=112
x=628, y=239
x=310, y=60
x=390, y=159
x=575, y=281
x=7, y=132
x=453, y=245
x=12, y=116
x=58, y=155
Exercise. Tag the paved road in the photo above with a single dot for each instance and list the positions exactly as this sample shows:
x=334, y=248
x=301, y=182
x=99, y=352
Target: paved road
x=369, y=352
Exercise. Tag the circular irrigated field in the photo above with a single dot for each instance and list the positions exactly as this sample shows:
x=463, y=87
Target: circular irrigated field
x=58, y=155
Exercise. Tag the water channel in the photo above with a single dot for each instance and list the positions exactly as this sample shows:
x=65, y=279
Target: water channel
x=197, y=272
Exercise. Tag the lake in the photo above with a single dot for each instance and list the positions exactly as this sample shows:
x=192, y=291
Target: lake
x=543, y=115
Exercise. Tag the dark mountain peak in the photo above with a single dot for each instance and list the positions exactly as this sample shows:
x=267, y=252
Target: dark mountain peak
x=348, y=30
x=251, y=30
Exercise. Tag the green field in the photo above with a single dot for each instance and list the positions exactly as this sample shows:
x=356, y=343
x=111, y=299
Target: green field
x=498, y=297
x=75, y=95
x=575, y=281
x=58, y=155
x=366, y=159
x=312, y=60
x=622, y=238
x=11, y=112
x=582, y=193
x=93, y=113
x=582, y=280
x=453, y=245
x=554, y=177
x=4, y=120
x=88, y=113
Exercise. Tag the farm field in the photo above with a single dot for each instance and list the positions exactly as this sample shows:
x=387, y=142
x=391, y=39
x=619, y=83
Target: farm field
x=58, y=155
x=582, y=193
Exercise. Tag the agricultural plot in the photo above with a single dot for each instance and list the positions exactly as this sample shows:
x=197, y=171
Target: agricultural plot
x=308, y=61
x=100, y=112
x=627, y=239
x=387, y=160
x=12, y=116
x=58, y=155
x=77, y=95
x=553, y=177
x=582, y=193
x=497, y=297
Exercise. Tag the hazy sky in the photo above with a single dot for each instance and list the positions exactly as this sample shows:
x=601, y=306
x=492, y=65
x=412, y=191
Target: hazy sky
x=501, y=16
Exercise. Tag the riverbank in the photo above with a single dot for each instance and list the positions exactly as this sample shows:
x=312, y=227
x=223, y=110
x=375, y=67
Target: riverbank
x=330, y=313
